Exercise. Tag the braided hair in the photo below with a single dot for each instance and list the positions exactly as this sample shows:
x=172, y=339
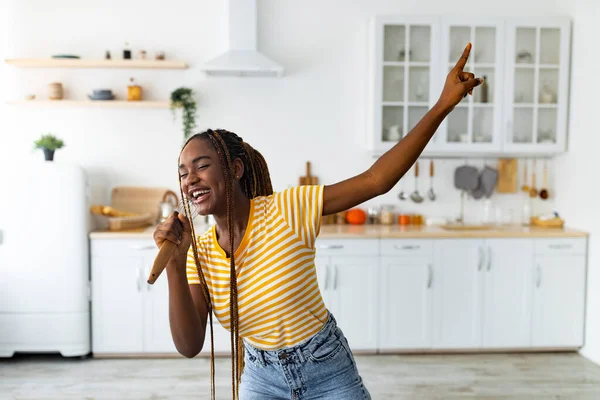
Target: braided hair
x=256, y=181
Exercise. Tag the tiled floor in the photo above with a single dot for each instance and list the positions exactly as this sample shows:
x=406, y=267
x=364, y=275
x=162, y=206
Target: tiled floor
x=481, y=376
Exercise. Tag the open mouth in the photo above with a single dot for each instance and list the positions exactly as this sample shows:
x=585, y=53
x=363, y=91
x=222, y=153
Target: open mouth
x=199, y=195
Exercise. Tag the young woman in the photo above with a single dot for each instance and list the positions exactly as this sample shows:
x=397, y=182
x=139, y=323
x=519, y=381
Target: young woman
x=254, y=270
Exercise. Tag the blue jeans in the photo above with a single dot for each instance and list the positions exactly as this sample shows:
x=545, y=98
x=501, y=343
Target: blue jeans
x=321, y=368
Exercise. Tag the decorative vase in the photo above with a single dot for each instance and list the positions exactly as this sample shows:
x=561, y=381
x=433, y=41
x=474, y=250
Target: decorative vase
x=49, y=154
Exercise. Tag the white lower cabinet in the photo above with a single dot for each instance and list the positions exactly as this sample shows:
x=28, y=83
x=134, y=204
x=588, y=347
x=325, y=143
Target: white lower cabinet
x=507, y=286
x=405, y=309
x=457, y=294
x=348, y=273
x=128, y=314
x=558, y=301
x=386, y=294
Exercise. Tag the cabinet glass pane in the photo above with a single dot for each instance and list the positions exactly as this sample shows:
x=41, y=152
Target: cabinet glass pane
x=394, y=43
x=548, y=86
x=483, y=125
x=392, y=123
x=485, y=45
x=549, y=46
x=523, y=125
x=484, y=93
x=460, y=36
x=415, y=114
x=393, y=83
x=457, y=125
x=524, y=80
x=547, y=125
x=418, y=84
x=525, y=46
x=420, y=43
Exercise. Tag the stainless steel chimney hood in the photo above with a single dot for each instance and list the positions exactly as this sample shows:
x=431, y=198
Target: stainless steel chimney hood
x=242, y=57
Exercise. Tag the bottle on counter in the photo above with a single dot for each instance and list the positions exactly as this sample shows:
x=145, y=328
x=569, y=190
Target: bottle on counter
x=387, y=214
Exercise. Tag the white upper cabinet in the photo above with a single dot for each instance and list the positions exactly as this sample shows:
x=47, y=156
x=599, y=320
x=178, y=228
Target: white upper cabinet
x=476, y=122
x=536, y=102
x=404, y=62
x=521, y=108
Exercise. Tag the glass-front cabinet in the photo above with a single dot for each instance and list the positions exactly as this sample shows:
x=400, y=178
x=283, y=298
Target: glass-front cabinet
x=520, y=109
x=537, y=65
x=476, y=122
x=404, y=72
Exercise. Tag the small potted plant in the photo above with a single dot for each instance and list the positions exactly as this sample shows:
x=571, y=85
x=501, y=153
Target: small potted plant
x=184, y=98
x=49, y=143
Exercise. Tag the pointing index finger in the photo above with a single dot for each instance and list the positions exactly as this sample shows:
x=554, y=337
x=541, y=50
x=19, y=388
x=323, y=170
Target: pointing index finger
x=462, y=61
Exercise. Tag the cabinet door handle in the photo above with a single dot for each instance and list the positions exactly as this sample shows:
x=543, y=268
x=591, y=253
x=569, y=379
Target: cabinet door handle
x=143, y=247
x=481, y=257
x=429, y=276
x=407, y=247
x=139, y=279
x=489, y=261
x=560, y=246
x=539, y=276
x=326, y=268
x=334, y=277
x=331, y=246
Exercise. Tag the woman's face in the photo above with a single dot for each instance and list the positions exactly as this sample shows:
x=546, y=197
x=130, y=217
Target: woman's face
x=202, y=178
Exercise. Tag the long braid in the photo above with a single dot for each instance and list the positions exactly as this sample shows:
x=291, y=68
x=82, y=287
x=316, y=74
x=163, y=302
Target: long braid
x=204, y=286
x=256, y=181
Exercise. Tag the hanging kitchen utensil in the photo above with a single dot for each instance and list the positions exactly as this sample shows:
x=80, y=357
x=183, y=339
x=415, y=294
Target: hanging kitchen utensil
x=431, y=193
x=416, y=196
x=544, y=190
x=507, y=176
x=533, y=191
x=488, y=180
x=525, y=187
x=402, y=195
x=466, y=177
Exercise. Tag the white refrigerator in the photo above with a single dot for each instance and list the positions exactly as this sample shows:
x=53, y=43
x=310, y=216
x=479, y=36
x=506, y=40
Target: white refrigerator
x=44, y=260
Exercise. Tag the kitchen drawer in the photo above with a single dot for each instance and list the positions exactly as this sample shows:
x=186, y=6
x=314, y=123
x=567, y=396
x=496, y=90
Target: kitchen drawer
x=560, y=246
x=122, y=247
x=347, y=247
x=406, y=247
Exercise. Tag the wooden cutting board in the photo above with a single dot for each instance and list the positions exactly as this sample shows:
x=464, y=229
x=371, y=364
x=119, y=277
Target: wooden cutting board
x=308, y=179
x=138, y=199
x=507, y=175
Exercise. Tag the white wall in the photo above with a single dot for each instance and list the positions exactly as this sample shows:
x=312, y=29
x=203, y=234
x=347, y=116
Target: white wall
x=317, y=112
x=578, y=193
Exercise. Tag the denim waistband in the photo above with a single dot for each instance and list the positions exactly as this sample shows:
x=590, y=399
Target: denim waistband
x=295, y=354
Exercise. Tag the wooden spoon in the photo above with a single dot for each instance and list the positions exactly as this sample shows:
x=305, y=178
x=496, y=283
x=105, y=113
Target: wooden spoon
x=533, y=191
x=525, y=188
x=544, y=189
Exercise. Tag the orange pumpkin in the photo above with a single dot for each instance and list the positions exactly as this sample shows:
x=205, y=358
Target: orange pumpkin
x=356, y=216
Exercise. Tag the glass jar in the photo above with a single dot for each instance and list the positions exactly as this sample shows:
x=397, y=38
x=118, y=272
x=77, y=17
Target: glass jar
x=387, y=214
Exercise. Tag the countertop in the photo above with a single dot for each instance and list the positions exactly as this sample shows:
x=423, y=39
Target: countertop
x=388, y=231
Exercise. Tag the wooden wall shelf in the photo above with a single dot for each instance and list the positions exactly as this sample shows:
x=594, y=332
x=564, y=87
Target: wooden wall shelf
x=91, y=103
x=91, y=63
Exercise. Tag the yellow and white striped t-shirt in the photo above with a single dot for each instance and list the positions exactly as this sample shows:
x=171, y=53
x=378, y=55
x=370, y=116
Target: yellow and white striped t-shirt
x=279, y=301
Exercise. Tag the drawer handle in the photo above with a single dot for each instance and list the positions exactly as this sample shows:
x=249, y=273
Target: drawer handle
x=560, y=246
x=332, y=246
x=143, y=247
x=429, y=276
x=407, y=247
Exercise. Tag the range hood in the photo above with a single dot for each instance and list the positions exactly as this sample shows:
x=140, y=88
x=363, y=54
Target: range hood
x=242, y=57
